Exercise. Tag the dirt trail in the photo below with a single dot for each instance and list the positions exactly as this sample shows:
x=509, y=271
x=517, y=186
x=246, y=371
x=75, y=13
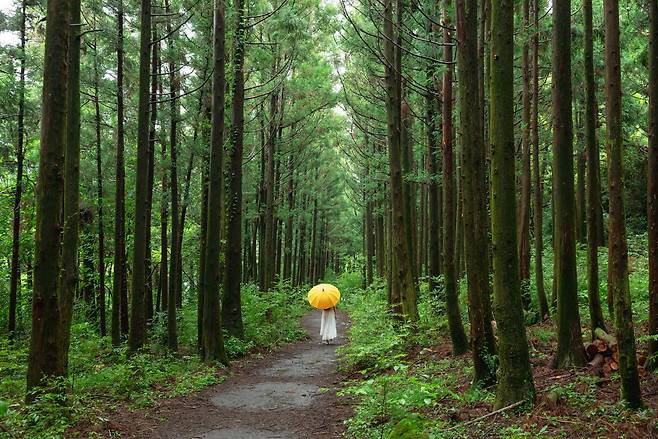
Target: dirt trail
x=290, y=394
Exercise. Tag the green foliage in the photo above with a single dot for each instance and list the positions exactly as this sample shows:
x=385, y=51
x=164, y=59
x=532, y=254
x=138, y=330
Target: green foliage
x=101, y=378
x=376, y=342
x=393, y=387
x=409, y=428
x=285, y=304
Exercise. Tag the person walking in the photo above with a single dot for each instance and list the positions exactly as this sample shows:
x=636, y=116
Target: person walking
x=328, y=325
x=325, y=297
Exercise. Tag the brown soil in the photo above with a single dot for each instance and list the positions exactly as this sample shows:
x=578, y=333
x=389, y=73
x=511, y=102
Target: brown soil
x=287, y=394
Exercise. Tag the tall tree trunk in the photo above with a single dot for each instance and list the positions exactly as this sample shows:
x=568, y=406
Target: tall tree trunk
x=515, y=381
x=570, y=351
x=524, y=202
x=262, y=194
x=267, y=261
x=137, y=317
x=408, y=170
x=434, y=206
x=581, y=226
x=162, y=300
x=408, y=283
x=232, y=303
x=175, y=300
x=542, y=301
x=183, y=215
x=301, y=277
x=246, y=248
x=213, y=338
x=393, y=140
x=380, y=250
x=71, y=236
x=483, y=344
x=203, y=244
x=460, y=267
x=46, y=358
x=14, y=284
x=100, y=295
x=402, y=269
x=618, y=285
x=118, y=280
x=368, y=239
x=156, y=90
x=457, y=333
x=288, y=246
x=423, y=225
x=314, y=243
x=652, y=184
x=593, y=182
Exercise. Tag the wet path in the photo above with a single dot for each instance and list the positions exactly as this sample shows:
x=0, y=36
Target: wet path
x=287, y=395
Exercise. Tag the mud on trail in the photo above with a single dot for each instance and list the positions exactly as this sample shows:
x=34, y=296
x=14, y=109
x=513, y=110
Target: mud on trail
x=288, y=394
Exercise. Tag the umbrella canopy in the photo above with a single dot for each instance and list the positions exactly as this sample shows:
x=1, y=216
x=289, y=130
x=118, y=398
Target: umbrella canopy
x=323, y=296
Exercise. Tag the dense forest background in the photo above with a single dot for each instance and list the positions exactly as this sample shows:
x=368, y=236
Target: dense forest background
x=479, y=175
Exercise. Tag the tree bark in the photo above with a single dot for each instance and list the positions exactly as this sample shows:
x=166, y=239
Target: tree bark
x=542, y=301
x=570, y=351
x=401, y=278
x=618, y=285
x=183, y=214
x=410, y=192
x=14, y=284
x=288, y=245
x=156, y=90
x=100, y=295
x=71, y=212
x=593, y=181
x=119, y=275
x=46, y=359
x=301, y=276
x=162, y=295
x=368, y=239
x=137, y=334
x=483, y=344
x=380, y=250
x=203, y=244
x=267, y=261
x=422, y=237
x=457, y=333
x=232, y=303
x=652, y=184
x=175, y=298
x=433, y=152
x=524, y=214
x=314, y=243
x=213, y=338
x=515, y=381
x=581, y=226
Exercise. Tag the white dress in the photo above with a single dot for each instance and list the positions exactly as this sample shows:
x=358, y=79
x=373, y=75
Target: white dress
x=328, y=325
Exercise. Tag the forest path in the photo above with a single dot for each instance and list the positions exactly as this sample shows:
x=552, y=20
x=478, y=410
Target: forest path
x=289, y=394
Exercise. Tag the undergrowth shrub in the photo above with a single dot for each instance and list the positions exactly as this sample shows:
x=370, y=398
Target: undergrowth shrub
x=390, y=389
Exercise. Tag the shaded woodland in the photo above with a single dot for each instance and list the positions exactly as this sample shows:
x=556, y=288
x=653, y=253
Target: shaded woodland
x=470, y=173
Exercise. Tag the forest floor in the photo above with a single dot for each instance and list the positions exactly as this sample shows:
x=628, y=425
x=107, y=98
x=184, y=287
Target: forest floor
x=405, y=383
x=288, y=394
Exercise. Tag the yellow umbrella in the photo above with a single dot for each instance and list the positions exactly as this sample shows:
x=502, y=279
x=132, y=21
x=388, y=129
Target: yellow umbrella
x=323, y=296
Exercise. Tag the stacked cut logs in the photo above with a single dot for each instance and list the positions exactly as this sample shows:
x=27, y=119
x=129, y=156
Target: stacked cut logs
x=603, y=354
